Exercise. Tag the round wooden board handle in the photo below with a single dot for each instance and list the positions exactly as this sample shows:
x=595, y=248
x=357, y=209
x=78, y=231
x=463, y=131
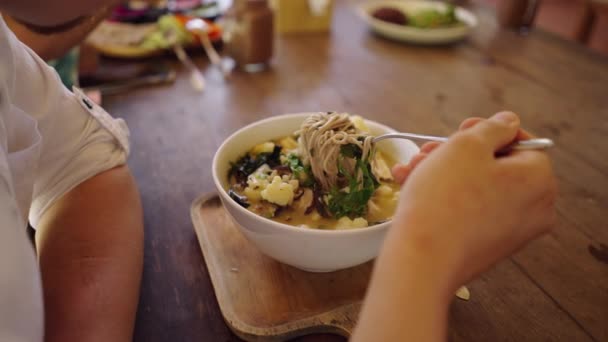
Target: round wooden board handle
x=343, y=319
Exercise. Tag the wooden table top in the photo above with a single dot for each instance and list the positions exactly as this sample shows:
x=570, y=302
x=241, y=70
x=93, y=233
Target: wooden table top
x=555, y=289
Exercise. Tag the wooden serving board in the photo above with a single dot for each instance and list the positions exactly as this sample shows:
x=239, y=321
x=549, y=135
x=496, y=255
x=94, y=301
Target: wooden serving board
x=264, y=300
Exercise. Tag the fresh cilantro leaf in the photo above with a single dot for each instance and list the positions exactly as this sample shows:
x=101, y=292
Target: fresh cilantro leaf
x=353, y=202
x=301, y=172
x=351, y=151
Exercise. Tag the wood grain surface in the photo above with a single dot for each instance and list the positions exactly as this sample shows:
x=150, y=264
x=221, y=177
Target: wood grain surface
x=262, y=299
x=556, y=289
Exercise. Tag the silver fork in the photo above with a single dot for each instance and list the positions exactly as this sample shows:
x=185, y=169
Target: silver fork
x=530, y=144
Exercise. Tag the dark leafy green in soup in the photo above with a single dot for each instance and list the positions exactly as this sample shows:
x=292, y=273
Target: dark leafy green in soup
x=277, y=179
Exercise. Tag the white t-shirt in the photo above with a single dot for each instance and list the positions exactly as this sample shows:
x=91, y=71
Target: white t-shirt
x=50, y=141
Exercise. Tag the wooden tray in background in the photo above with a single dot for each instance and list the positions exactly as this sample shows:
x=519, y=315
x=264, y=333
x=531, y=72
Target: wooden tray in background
x=264, y=300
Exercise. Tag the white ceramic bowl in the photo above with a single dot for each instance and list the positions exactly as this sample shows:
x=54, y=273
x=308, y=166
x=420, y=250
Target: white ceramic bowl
x=414, y=34
x=308, y=249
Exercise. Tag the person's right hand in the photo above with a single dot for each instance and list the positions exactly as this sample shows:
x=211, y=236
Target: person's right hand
x=462, y=209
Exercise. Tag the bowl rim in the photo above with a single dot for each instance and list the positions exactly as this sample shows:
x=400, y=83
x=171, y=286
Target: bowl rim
x=223, y=193
x=365, y=9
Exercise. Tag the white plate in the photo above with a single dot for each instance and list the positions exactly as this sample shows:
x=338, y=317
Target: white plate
x=417, y=35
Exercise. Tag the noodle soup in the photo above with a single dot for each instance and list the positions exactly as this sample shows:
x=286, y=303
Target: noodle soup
x=327, y=175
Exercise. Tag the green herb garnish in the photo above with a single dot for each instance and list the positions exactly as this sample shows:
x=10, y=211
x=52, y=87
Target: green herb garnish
x=353, y=201
x=351, y=151
x=434, y=18
x=301, y=172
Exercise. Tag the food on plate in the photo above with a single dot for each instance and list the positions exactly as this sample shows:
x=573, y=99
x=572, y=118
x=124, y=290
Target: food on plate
x=139, y=40
x=434, y=18
x=170, y=31
x=327, y=175
x=391, y=15
x=428, y=18
x=120, y=34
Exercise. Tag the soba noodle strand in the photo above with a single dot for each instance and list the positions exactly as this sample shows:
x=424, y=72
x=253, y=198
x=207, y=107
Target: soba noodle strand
x=322, y=136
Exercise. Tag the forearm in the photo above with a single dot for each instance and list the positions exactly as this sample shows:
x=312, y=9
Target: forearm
x=417, y=307
x=90, y=247
x=56, y=45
